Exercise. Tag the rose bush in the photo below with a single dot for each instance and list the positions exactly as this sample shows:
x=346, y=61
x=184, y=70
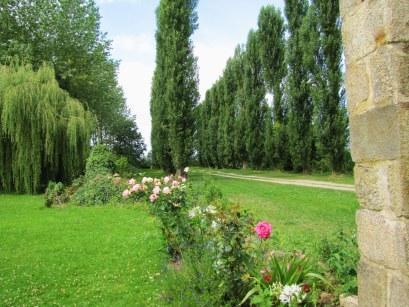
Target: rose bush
x=199, y=224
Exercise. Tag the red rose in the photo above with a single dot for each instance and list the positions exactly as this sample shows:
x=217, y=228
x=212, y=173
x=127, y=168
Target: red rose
x=267, y=278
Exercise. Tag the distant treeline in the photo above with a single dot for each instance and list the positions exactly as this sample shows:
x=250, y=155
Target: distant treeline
x=280, y=100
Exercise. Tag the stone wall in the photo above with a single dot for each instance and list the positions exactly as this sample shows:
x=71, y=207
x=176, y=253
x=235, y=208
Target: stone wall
x=376, y=42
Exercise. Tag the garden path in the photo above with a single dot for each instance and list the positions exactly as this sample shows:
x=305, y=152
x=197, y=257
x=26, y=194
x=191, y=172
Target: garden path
x=298, y=182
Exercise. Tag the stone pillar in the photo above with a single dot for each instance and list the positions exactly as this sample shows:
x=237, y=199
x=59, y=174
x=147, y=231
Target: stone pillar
x=376, y=42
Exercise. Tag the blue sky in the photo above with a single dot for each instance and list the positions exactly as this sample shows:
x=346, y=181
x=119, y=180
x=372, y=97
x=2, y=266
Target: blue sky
x=131, y=25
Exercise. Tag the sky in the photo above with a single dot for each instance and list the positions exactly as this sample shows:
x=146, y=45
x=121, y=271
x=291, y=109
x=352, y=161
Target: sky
x=131, y=25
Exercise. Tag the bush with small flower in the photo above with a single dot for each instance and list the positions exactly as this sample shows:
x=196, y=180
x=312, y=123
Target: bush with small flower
x=168, y=201
x=208, y=230
x=285, y=279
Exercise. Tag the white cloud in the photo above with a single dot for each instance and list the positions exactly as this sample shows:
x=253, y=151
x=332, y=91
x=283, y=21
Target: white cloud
x=135, y=78
x=212, y=60
x=135, y=44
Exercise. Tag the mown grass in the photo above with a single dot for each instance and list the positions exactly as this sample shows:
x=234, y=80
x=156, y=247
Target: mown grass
x=327, y=177
x=301, y=216
x=114, y=256
x=78, y=256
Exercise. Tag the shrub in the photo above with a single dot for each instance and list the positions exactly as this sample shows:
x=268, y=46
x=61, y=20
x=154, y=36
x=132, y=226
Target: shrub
x=169, y=202
x=340, y=252
x=99, y=186
x=100, y=161
x=100, y=190
x=55, y=194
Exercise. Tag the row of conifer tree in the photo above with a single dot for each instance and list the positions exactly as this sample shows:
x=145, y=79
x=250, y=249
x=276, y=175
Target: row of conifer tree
x=280, y=100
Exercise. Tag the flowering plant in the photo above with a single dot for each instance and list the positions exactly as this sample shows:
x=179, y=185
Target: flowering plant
x=168, y=201
x=287, y=280
x=263, y=230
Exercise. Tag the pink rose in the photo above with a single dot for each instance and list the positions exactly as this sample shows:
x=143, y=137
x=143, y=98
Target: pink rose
x=175, y=183
x=263, y=230
x=136, y=188
x=126, y=193
x=156, y=190
x=153, y=197
x=131, y=181
x=166, y=190
x=166, y=179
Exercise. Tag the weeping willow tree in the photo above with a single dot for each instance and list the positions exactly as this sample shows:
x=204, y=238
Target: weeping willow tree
x=44, y=133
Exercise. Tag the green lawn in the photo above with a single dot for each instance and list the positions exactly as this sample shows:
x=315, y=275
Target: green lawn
x=336, y=178
x=301, y=216
x=78, y=256
x=114, y=256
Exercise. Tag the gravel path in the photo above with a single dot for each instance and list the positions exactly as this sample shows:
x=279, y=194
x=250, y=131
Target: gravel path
x=298, y=182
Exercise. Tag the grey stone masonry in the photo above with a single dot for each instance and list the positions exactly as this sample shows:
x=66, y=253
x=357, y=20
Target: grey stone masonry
x=376, y=43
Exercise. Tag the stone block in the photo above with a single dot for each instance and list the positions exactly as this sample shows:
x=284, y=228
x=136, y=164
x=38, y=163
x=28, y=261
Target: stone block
x=349, y=6
x=372, y=281
x=389, y=74
x=375, y=134
x=398, y=290
x=383, y=240
x=361, y=28
x=401, y=205
x=373, y=23
x=357, y=84
x=348, y=301
x=404, y=129
x=381, y=67
x=371, y=184
x=396, y=19
x=383, y=185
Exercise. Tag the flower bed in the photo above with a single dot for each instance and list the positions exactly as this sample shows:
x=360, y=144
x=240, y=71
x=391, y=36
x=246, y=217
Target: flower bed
x=236, y=249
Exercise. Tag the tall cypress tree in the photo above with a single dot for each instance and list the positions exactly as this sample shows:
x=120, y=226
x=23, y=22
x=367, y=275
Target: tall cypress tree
x=221, y=137
x=173, y=102
x=254, y=93
x=158, y=107
x=272, y=51
x=230, y=90
x=240, y=149
x=298, y=93
x=331, y=119
x=213, y=127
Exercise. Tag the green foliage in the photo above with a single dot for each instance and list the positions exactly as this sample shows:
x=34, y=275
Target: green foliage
x=340, y=253
x=195, y=282
x=283, y=271
x=254, y=93
x=100, y=161
x=174, y=87
x=44, y=133
x=126, y=140
x=67, y=35
x=298, y=90
x=100, y=190
x=99, y=186
x=305, y=128
x=214, y=233
x=323, y=32
x=55, y=194
x=232, y=258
